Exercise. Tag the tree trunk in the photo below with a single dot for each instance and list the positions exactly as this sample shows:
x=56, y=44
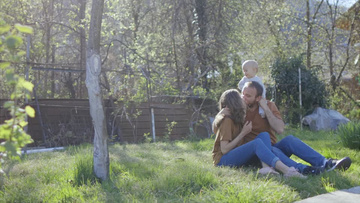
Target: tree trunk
x=331, y=45
x=49, y=8
x=309, y=33
x=82, y=12
x=93, y=70
x=52, y=94
x=200, y=7
x=309, y=25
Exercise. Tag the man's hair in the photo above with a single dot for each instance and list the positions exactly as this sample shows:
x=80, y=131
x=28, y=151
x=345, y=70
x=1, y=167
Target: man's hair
x=256, y=85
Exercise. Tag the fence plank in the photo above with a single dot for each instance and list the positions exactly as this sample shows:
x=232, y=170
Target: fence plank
x=70, y=119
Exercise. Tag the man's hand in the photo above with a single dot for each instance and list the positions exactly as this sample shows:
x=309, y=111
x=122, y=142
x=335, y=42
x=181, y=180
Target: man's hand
x=263, y=103
x=276, y=124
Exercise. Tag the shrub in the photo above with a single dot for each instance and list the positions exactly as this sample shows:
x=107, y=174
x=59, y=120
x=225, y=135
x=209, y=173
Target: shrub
x=285, y=72
x=350, y=135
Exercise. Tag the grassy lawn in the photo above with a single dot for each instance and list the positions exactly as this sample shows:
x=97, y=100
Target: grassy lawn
x=180, y=171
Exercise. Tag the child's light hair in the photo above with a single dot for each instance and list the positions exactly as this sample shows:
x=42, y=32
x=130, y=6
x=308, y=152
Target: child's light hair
x=250, y=64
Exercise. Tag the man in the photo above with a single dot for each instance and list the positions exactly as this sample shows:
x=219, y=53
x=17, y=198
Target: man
x=273, y=123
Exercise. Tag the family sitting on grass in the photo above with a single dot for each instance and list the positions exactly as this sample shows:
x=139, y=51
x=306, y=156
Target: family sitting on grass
x=244, y=136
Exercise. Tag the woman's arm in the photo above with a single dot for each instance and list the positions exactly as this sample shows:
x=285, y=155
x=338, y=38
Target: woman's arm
x=227, y=146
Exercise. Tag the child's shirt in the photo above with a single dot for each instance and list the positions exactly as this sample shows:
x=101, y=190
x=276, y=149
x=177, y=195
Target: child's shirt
x=256, y=79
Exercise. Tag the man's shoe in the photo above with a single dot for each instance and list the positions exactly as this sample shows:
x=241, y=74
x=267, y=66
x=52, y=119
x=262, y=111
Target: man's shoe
x=311, y=170
x=342, y=164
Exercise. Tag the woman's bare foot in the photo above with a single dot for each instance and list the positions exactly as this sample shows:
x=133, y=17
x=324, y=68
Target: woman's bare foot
x=268, y=170
x=292, y=172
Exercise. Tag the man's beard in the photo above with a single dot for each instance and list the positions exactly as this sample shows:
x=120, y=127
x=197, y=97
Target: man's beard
x=251, y=105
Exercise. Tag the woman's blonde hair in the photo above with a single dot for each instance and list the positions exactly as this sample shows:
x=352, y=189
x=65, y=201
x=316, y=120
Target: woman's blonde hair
x=232, y=100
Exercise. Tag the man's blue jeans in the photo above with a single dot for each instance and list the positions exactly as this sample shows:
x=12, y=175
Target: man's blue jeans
x=260, y=147
x=292, y=145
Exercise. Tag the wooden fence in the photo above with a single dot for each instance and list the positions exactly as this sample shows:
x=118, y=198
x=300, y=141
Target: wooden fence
x=61, y=122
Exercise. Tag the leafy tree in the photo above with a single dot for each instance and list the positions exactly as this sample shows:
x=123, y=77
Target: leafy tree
x=285, y=72
x=12, y=134
x=176, y=47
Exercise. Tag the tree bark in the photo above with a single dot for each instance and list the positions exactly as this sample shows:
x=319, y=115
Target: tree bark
x=93, y=71
x=49, y=10
x=309, y=33
x=309, y=24
x=82, y=12
x=200, y=7
x=331, y=45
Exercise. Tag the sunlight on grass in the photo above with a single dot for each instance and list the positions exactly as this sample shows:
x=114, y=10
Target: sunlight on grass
x=329, y=187
x=180, y=171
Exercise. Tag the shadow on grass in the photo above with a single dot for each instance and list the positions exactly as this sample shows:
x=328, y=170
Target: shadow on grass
x=313, y=185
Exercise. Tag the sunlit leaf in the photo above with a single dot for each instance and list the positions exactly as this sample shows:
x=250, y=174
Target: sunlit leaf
x=23, y=123
x=24, y=28
x=30, y=111
x=4, y=65
x=9, y=122
x=4, y=29
x=2, y=149
x=21, y=53
x=4, y=132
x=28, y=85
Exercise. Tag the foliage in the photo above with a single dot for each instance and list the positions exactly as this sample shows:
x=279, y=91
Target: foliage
x=348, y=109
x=12, y=134
x=354, y=114
x=147, y=137
x=161, y=46
x=180, y=171
x=169, y=126
x=285, y=73
x=350, y=134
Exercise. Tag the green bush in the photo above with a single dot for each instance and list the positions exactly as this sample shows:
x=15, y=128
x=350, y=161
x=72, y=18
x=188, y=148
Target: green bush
x=285, y=72
x=350, y=135
x=354, y=114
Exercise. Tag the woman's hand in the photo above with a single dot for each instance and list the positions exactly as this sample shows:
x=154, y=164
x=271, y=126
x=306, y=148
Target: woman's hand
x=226, y=146
x=247, y=128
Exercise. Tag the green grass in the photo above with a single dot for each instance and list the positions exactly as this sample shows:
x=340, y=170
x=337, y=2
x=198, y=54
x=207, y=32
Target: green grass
x=179, y=171
x=350, y=134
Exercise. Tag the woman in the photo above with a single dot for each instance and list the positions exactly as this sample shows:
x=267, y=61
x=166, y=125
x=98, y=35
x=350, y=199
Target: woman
x=228, y=147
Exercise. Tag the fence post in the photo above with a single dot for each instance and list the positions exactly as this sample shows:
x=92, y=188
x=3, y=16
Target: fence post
x=153, y=124
x=300, y=99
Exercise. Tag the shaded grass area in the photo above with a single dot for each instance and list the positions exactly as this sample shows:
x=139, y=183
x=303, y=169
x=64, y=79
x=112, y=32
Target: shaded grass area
x=179, y=171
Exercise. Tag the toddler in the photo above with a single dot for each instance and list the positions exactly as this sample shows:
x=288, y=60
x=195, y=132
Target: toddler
x=250, y=69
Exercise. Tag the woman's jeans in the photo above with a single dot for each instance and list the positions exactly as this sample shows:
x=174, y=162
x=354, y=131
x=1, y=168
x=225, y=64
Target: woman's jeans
x=260, y=147
x=292, y=145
